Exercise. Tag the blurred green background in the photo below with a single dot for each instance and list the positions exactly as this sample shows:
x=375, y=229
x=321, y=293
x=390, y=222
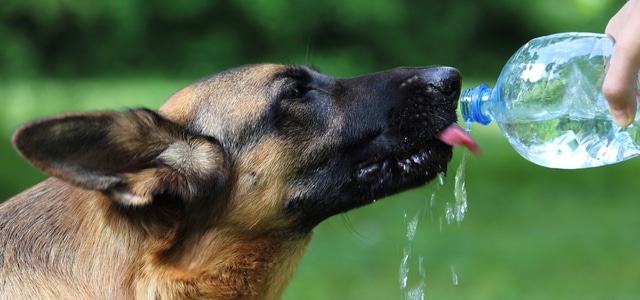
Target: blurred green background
x=529, y=233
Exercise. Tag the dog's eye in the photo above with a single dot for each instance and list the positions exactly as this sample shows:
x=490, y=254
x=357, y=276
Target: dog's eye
x=294, y=92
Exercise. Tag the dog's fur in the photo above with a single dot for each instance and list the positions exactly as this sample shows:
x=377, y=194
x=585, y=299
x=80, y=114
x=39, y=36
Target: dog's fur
x=215, y=195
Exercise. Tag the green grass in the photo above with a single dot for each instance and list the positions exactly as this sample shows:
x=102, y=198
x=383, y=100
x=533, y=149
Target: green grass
x=529, y=233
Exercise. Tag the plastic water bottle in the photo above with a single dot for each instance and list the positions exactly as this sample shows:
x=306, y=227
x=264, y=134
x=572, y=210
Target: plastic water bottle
x=548, y=103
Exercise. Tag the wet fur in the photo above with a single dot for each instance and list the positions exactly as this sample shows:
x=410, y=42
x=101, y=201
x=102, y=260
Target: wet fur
x=215, y=195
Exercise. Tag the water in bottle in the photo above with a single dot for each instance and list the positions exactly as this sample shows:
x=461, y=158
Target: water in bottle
x=548, y=103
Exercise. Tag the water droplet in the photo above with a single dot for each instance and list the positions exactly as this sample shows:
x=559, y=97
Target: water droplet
x=416, y=292
x=368, y=171
x=454, y=275
x=449, y=212
x=404, y=268
x=460, y=191
x=467, y=126
x=441, y=178
x=425, y=155
x=432, y=201
x=406, y=166
x=412, y=227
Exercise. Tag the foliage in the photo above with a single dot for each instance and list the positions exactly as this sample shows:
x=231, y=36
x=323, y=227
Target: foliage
x=198, y=37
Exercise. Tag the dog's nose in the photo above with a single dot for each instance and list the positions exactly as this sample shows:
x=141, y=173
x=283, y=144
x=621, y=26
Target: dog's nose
x=447, y=81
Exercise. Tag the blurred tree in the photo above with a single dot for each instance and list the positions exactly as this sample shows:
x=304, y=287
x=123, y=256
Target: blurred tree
x=197, y=37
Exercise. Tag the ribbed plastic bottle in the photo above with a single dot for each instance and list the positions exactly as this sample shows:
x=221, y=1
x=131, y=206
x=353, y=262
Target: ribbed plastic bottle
x=548, y=103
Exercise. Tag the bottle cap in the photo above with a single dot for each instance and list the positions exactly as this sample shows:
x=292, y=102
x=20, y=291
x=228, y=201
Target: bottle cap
x=472, y=103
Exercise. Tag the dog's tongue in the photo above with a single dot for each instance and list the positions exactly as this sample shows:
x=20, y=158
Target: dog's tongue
x=455, y=136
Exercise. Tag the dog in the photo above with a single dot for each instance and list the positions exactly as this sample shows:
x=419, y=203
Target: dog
x=215, y=194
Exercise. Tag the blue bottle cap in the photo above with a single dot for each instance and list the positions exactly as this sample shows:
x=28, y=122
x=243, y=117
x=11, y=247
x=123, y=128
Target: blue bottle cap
x=471, y=103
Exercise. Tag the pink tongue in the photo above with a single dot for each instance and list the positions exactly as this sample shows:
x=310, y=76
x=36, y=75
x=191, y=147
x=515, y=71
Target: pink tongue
x=455, y=136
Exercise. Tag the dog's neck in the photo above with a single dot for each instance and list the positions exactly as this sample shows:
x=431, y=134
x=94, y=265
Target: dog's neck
x=228, y=265
x=226, y=259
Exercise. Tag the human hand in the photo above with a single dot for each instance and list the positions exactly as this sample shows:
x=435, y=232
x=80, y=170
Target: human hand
x=619, y=86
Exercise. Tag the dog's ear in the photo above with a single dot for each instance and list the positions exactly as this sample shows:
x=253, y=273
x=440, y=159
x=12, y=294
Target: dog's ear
x=131, y=156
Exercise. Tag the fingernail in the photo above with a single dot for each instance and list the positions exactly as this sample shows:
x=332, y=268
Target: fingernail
x=621, y=117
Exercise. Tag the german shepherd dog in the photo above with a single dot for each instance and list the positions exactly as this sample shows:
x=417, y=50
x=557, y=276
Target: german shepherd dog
x=215, y=194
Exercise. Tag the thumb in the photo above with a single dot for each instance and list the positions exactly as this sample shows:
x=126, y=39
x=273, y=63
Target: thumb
x=619, y=88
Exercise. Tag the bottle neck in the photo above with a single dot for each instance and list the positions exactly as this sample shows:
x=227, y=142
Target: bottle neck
x=474, y=104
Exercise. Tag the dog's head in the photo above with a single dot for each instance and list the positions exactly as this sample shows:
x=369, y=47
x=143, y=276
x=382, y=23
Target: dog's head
x=263, y=144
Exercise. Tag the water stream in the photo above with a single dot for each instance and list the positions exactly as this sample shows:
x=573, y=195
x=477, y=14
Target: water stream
x=415, y=292
x=455, y=211
x=412, y=285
